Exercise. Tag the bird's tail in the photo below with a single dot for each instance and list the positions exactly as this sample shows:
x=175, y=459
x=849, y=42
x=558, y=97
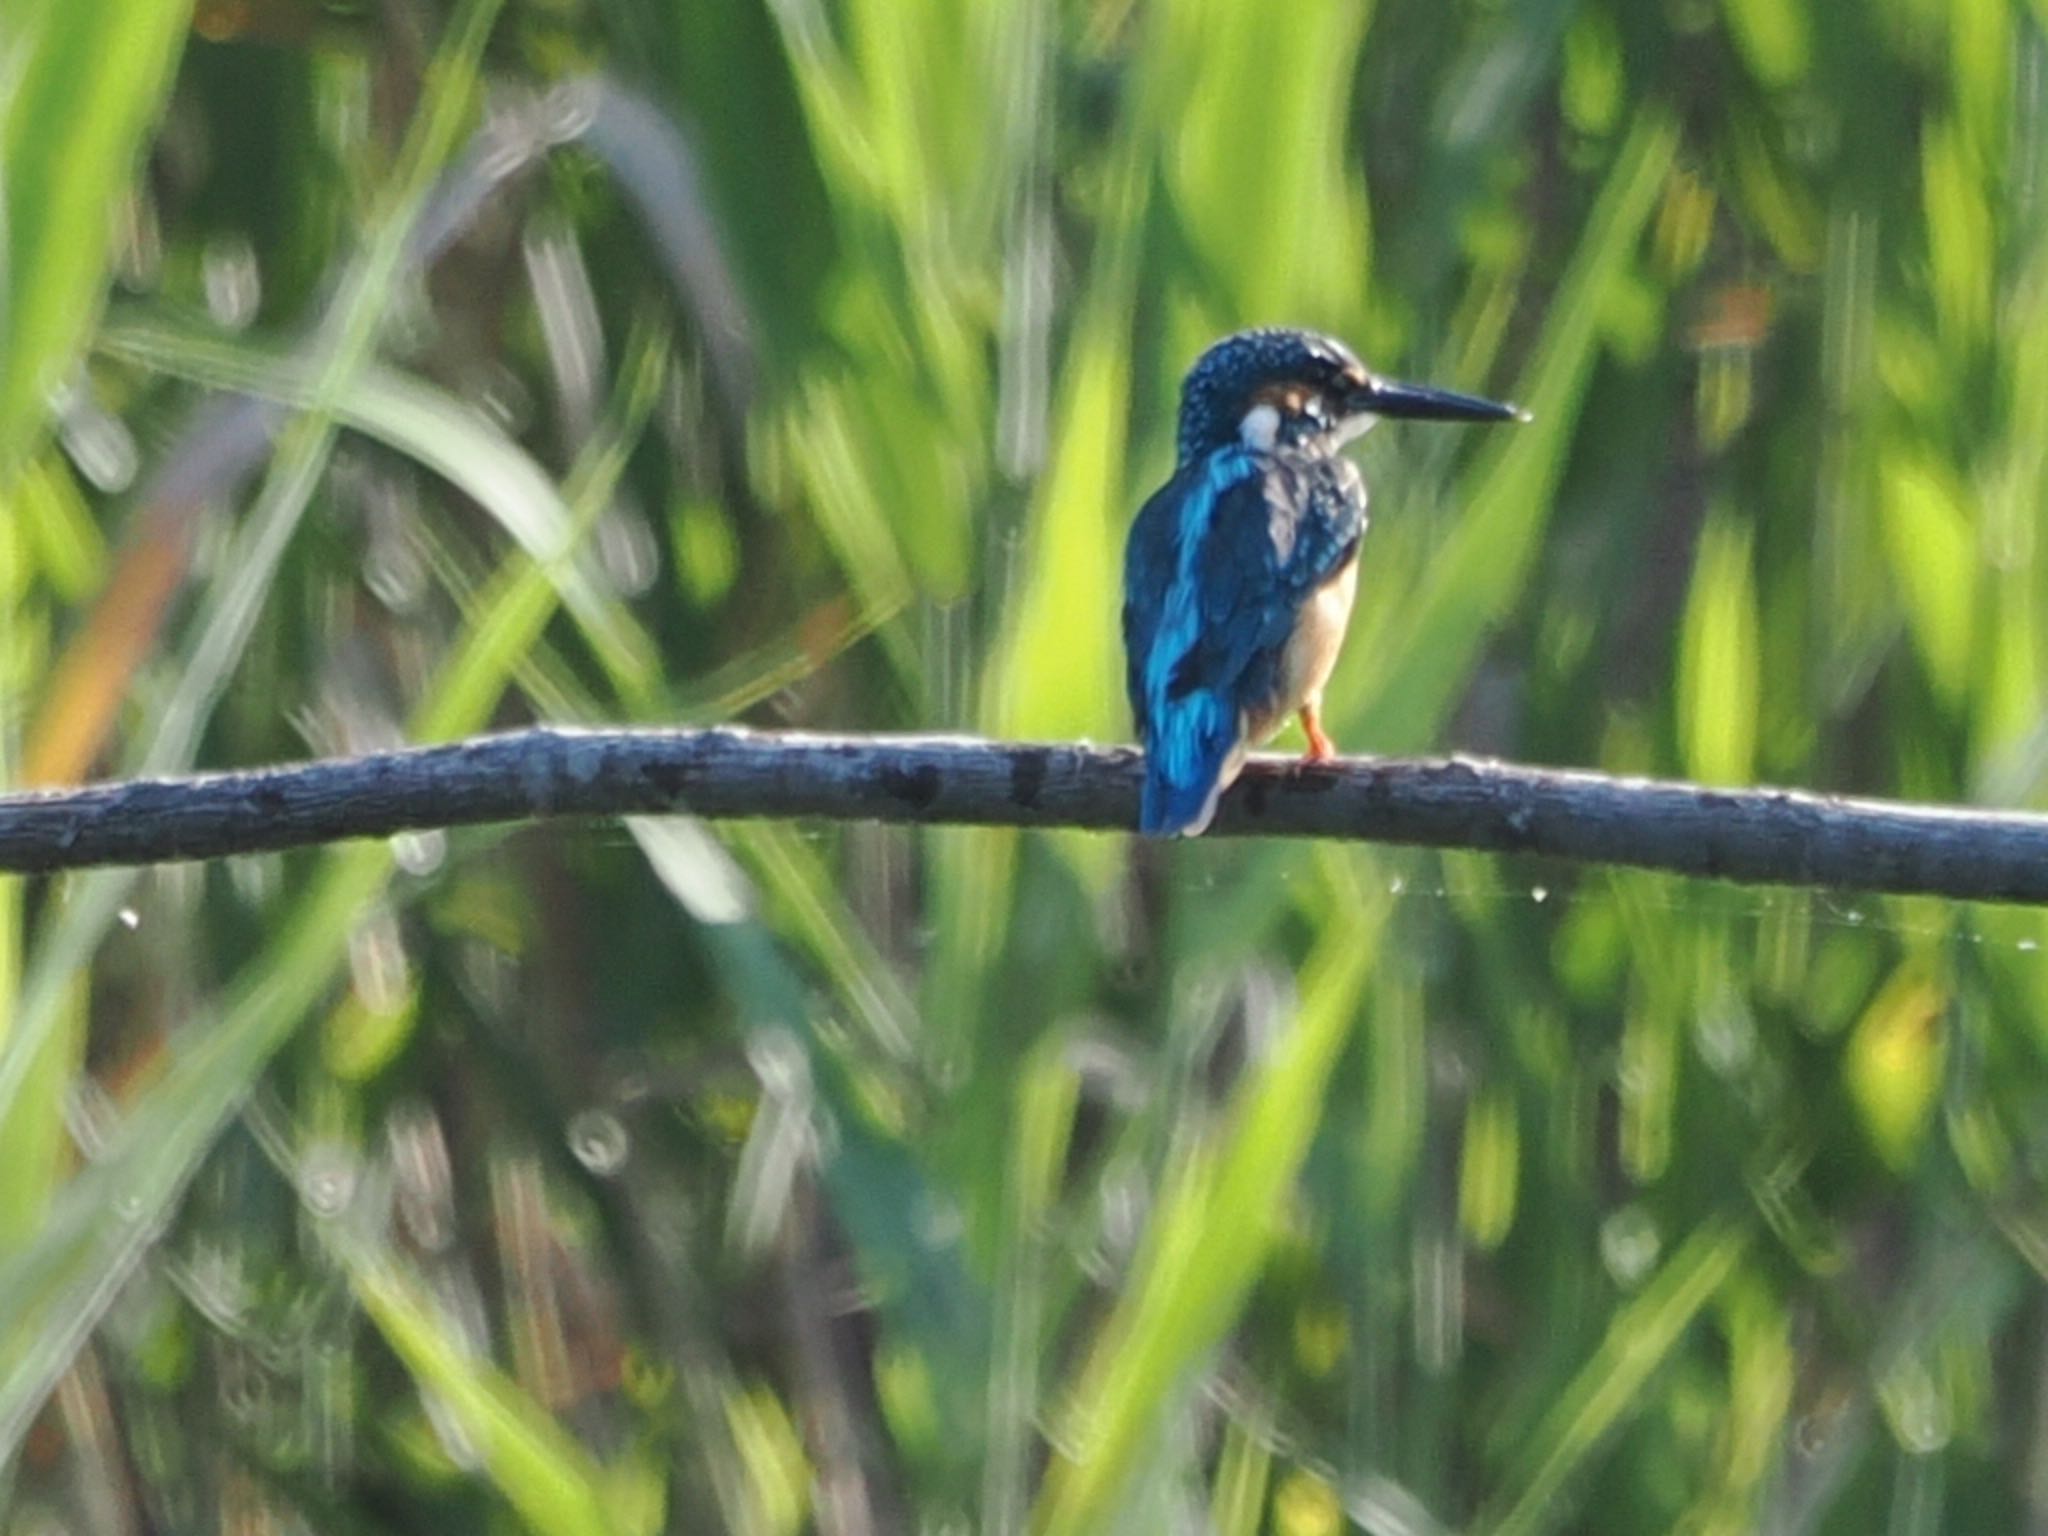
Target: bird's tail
x=1190, y=755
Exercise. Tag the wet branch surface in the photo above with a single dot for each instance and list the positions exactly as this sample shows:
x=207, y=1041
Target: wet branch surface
x=1762, y=836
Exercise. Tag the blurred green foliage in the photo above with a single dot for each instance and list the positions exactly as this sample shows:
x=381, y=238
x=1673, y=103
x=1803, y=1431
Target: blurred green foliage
x=380, y=373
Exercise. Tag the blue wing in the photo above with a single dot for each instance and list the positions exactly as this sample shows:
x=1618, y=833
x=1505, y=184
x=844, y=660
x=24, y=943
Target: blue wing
x=1188, y=736
x=1218, y=565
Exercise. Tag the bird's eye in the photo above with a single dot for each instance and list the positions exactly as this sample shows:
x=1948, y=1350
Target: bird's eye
x=1312, y=407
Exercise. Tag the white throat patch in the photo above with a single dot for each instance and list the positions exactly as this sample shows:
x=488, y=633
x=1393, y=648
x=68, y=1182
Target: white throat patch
x=1260, y=428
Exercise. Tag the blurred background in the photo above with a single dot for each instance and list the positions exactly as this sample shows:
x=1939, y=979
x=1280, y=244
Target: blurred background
x=382, y=372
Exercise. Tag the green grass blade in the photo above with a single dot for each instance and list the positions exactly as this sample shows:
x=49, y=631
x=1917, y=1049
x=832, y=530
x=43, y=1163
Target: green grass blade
x=81, y=82
x=435, y=429
x=1056, y=677
x=1432, y=638
x=814, y=911
x=1718, y=681
x=1242, y=1474
x=55, y=1290
x=1204, y=1247
x=1639, y=1340
x=546, y=1476
x=1259, y=175
x=231, y=610
x=33, y=1139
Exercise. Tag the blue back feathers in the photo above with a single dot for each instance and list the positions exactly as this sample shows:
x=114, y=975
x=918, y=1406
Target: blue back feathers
x=1190, y=725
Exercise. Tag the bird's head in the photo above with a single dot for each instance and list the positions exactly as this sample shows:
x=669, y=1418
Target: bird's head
x=1285, y=388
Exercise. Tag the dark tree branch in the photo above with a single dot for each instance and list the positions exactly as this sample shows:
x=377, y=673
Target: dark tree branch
x=1765, y=836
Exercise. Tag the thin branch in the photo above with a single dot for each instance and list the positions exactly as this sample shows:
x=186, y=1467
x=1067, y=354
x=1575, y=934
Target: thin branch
x=1762, y=836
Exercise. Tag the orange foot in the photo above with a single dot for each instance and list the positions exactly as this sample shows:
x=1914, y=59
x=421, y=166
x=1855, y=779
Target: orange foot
x=1320, y=748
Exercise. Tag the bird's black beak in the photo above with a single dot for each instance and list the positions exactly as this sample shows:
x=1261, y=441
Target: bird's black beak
x=1419, y=402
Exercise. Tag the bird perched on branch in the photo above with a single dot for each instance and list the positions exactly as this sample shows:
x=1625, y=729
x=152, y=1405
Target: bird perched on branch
x=1240, y=570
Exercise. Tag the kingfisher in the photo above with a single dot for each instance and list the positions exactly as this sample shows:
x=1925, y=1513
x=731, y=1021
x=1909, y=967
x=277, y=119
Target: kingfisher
x=1240, y=571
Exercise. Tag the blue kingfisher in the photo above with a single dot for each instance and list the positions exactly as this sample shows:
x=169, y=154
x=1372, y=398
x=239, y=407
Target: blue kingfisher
x=1240, y=570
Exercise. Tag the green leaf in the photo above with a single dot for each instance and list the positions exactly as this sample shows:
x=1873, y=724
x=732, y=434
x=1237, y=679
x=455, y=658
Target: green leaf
x=554, y=1484
x=1055, y=677
x=1639, y=1339
x=1774, y=36
x=81, y=83
x=1254, y=154
x=1962, y=239
x=446, y=435
x=1594, y=83
x=1932, y=548
x=55, y=1289
x=1892, y=1066
x=1433, y=636
x=1205, y=1245
x=1488, y=1167
x=1718, y=658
